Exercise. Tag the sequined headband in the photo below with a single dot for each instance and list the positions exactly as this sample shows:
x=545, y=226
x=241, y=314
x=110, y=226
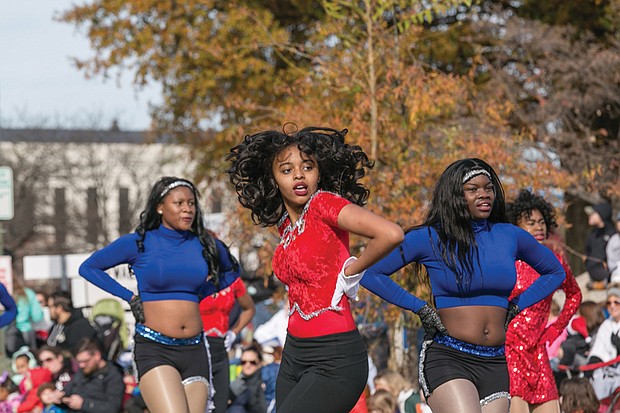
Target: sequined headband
x=475, y=172
x=174, y=185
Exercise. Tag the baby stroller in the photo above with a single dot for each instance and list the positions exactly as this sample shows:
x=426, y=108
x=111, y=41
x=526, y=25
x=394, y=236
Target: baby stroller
x=108, y=318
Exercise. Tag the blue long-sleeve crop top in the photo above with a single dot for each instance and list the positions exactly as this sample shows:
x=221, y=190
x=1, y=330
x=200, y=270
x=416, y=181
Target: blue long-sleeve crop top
x=171, y=267
x=10, y=308
x=499, y=246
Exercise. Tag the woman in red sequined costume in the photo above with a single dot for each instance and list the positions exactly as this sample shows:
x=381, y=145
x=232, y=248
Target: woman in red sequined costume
x=532, y=386
x=306, y=183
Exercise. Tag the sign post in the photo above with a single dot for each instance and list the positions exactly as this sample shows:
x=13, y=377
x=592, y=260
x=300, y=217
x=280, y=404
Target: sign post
x=6, y=193
x=6, y=214
x=6, y=200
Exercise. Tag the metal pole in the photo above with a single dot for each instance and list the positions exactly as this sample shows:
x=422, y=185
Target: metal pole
x=64, y=285
x=3, y=358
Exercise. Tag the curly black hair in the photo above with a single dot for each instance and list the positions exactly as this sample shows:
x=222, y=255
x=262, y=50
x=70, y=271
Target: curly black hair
x=525, y=203
x=340, y=166
x=150, y=219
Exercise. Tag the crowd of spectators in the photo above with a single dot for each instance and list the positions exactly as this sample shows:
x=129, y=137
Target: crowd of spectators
x=62, y=361
x=61, y=364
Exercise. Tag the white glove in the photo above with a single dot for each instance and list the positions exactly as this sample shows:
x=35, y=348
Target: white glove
x=229, y=339
x=346, y=284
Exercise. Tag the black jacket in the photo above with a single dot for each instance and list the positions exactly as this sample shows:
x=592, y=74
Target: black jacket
x=102, y=391
x=249, y=393
x=596, y=244
x=67, y=335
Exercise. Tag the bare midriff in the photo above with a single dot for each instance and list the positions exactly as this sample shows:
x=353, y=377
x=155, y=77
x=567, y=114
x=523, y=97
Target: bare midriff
x=481, y=325
x=173, y=318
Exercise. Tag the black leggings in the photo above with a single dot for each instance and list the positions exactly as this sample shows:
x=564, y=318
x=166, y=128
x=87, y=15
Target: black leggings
x=322, y=374
x=221, y=373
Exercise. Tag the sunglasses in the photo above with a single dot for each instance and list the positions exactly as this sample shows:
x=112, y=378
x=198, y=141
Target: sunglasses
x=252, y=362
x=613, y=302
x=47, y=360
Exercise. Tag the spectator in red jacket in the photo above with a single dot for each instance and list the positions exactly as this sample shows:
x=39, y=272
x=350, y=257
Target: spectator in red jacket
x=34, y=378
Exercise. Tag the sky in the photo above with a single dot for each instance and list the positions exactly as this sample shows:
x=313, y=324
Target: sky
x=40, y=87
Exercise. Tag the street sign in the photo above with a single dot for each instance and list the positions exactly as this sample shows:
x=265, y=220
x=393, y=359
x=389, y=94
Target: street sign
x=6, y=193
x=47, y=267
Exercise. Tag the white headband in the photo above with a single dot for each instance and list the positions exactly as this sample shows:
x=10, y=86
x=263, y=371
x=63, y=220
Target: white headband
x=174, y=185
x=475, y=172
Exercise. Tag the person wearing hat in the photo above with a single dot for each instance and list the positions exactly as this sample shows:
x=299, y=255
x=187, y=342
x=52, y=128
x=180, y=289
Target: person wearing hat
x=606, y=344
x=612, y=251
x=599, y=218
x=606, y=347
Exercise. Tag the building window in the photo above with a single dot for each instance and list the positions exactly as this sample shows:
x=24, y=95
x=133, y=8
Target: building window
x=124, y=220
x=60, y=222
x=93, y=220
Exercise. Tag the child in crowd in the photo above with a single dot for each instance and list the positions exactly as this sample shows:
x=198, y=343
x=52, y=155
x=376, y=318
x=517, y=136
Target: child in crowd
x=9, y=394
x=408, y=400
x=48, y=396
x=22, y=360
x=577, y=396
x=33, y=379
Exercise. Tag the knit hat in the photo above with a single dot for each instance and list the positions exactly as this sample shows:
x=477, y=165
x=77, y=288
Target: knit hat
x=613, y=291
x=578, y=326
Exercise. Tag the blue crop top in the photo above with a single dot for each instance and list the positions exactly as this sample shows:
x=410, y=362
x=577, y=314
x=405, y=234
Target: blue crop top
x=170, y=268
x=499, y=246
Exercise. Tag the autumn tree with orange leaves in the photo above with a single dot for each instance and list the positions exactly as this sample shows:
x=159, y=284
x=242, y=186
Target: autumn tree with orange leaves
x=424, y=121
x=237, y=68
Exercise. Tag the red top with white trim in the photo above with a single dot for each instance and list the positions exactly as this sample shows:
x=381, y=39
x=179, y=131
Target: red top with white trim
x=214, y=309
x=308, y=260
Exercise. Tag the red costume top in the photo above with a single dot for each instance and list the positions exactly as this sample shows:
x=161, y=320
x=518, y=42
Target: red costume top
x=214, y=309
x=308, y=260
x=531, y=377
